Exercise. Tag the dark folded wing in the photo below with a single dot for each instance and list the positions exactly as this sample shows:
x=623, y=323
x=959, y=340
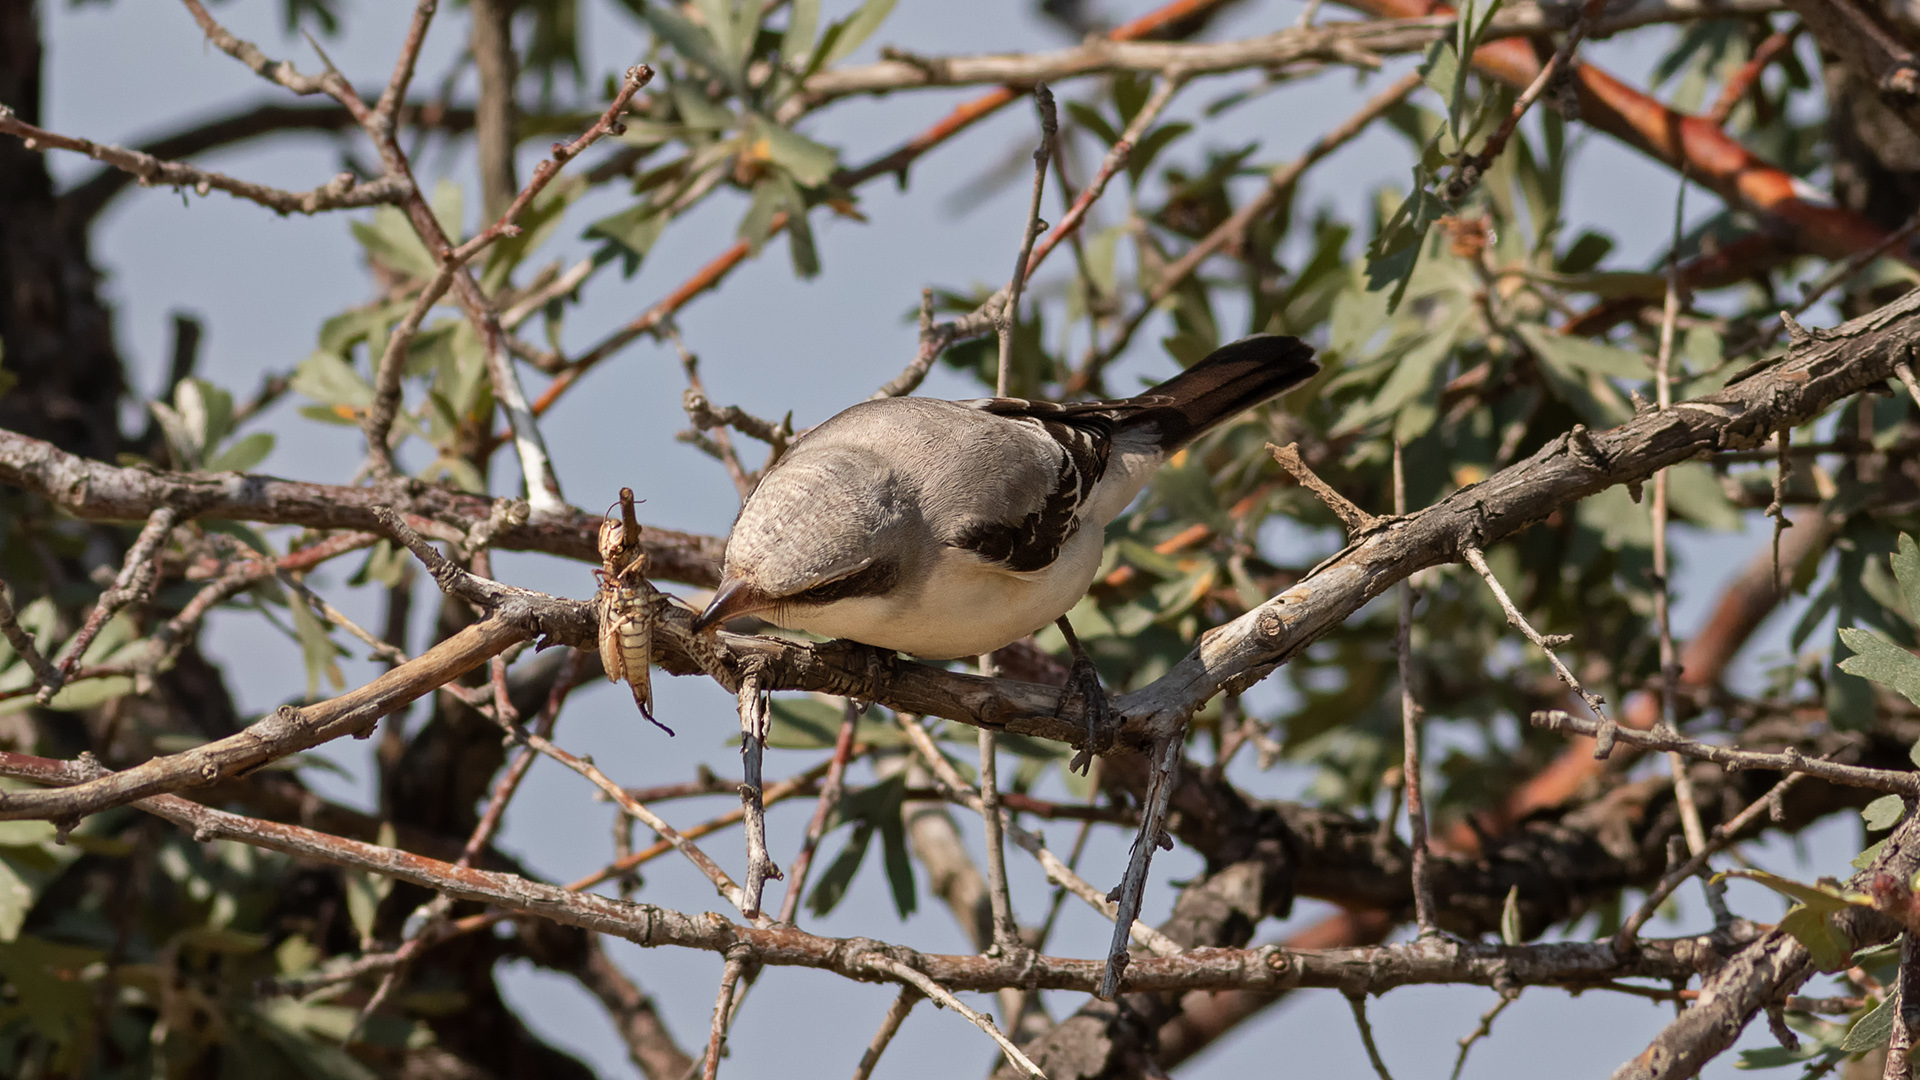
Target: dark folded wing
x=1074, y=440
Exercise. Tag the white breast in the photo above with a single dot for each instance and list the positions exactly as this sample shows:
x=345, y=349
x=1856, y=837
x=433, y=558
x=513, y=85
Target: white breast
x=966, y=607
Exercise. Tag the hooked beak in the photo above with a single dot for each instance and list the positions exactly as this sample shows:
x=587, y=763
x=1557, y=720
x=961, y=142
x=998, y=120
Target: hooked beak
x=735, y=598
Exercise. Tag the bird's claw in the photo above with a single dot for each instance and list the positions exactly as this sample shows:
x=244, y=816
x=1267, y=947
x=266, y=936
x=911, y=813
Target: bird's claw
x=1083, y=695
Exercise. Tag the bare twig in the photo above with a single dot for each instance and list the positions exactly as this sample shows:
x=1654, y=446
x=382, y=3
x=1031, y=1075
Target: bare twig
x=1897, y=782
x=1906, y=1014
x=955, y=789
x=1904, y=370
x=1356, y=520
x=830, y=795
x=723, y=1006
x=1164, y=768
x=1110, y=166
x=1723, y=834
x=896, y=1015
x=1009, y=312
x=1006, y=933
x=1280, y=184
x=1471, y=167
x=1484, y=1029
x=1741, y=82
x=1663, y=593
x=44, y=673
x=1411, y=714
x=281, y=72
x=135, y=583
x=345, y=191
x=753, y=738
x=1604, y=729
x=943, y=997
x=1358, y=1003
x=722, y=882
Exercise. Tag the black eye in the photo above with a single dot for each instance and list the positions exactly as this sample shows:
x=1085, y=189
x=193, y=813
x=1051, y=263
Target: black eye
x=869, y=581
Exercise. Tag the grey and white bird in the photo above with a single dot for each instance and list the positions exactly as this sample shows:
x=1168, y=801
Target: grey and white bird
x=952, y=528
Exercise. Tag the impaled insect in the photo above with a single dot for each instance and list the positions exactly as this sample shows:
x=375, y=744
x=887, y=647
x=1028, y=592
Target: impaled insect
x=625, y=606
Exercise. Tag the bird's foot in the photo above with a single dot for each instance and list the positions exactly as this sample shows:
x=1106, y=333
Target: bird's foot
x=1084, y=696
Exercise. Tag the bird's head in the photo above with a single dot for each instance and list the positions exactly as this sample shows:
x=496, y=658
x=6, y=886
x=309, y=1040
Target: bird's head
x=823, y=526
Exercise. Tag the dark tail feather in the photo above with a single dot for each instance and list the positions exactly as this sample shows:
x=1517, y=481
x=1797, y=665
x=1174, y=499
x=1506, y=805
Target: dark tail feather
x=1231, y=380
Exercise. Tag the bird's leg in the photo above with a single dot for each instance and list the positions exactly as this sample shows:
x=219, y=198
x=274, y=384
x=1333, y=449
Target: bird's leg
x=1084, y=694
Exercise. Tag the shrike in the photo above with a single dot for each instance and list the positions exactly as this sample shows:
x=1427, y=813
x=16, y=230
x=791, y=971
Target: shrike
x=952, y=528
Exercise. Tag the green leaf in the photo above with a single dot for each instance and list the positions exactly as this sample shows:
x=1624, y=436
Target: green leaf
x=243, y=454
x=1830, y=949
x=75, y=696
x=16, y=899
x=1089, y=117
x=317, y=647
x=632, y=231
x=1906, y=568
x=850, y=33
x=1872, y=1030
x=796, y=44
x=390, y=241
x=50, y=992
x=833, y=883
x=1884, y=812
x=181, y=440
x=802, y=723
x=1865, y=858
x=1440, y=70
x=1877, y=658
x=1585, y=354
x=893, y=849
x=806, y=258
x=1817, y=897
x=1510, y=918
x=691, y=42
x=25, y=833
x=809, y=162
x=329, y=380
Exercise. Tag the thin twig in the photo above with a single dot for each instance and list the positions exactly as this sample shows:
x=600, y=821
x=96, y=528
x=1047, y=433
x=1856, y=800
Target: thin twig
x=403, y=64
x=722, y=1015
x=1605, y=728
x=1471, y=167
x=830, y=795
x=1482, y=1031
x=1280, y=183
x=896, y=1015
x=1742, y=81
x=1410, y=727
x=1006, y=934
x=1356, y=520
x=1031, y=226
x=44, y=673
x=1110, y=166
x=722, y=882
x=954, y=789
x=1165, y=766
x=1723, y=834
x=1906, y=1014
x=135, y=583
x=381, y=650
x=932, y=343
x=1358, y=1002
x=1663, y=593
x=1893, y=781
x=1904, y=370
x=941, y=996
x=753, y=738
